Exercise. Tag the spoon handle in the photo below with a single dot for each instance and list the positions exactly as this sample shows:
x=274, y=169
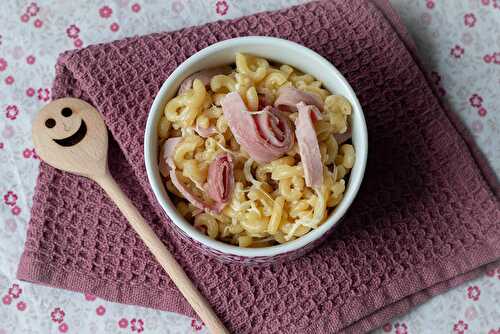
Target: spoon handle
x=162, y=255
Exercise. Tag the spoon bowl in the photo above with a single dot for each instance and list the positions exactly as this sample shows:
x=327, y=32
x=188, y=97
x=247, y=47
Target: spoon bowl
x=70, y=134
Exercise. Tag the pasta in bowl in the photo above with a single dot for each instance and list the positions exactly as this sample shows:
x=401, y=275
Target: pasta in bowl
x=256, y=156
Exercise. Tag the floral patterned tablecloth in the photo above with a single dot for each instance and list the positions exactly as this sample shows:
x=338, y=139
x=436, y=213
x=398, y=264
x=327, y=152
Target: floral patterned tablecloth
x=458, y=41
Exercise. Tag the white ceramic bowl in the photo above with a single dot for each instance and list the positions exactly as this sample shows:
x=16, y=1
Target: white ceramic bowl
x=281, y=51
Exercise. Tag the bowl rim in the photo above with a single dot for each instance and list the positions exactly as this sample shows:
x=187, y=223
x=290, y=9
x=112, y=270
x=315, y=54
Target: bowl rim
x=187, y=228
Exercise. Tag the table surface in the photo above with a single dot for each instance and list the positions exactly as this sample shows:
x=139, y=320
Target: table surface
x=458, y=42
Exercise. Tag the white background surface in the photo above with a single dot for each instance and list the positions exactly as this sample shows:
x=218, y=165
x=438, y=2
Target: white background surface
x=437, y=26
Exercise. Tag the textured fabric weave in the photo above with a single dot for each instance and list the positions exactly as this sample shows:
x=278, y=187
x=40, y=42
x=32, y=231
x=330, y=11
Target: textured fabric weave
x=426, y=218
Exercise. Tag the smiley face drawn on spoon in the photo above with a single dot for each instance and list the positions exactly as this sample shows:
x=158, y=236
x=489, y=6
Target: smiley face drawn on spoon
x=69, y=133
x=76, y=137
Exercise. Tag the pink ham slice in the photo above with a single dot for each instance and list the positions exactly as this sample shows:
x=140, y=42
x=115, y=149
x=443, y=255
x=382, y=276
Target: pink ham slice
x=205, y=132
x=270, y=125
x=205, y=76
x=289, y=97
x=264, y=100
x=220, y=181
x=343, y=137
x=167, y=150
x=308, y=144
x=192, y=198
x=167, y=165
x=266, y=136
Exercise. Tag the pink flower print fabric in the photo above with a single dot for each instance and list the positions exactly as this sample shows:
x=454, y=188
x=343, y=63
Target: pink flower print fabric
x=436, y=30
x=426, y=202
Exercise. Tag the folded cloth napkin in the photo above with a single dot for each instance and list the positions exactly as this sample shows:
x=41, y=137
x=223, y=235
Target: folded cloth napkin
x=426, y=218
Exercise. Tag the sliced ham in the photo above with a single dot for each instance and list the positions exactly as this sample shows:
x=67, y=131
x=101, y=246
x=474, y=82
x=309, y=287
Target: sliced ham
x=343, y=137
x=167, y=151
x=270, y=125
x=185, y=191
x=288, y=98
x=205, y=132
x=205, y=76
x=308, y=144
x=264, y=100
x=167, y=167
x=265, y=135
x=220, y=181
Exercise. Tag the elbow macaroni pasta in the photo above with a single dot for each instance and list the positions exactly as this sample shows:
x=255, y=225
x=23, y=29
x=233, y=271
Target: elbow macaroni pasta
x=270, y=203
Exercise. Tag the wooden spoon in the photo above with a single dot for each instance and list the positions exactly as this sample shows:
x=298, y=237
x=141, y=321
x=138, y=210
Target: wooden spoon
x=69, y=134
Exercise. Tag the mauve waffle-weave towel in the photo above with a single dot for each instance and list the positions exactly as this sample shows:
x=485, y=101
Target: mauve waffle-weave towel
x=425, y=220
